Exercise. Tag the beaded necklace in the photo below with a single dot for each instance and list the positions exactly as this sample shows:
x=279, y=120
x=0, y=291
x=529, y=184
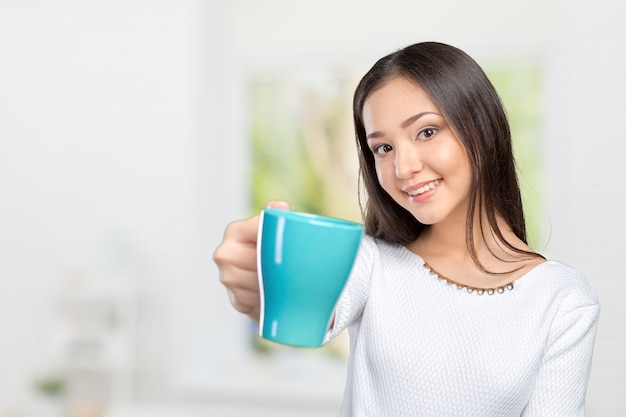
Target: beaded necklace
x=469, y=288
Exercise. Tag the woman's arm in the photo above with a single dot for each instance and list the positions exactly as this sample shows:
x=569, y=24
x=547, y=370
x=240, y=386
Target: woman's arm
x=561, y=383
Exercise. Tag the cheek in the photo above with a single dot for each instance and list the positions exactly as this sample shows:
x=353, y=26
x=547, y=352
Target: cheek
x=450, y=155
x=464, y=164
x=454, y=157
x=462, y=169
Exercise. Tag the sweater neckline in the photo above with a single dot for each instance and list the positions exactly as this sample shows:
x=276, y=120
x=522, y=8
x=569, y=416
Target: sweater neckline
x=477, y=290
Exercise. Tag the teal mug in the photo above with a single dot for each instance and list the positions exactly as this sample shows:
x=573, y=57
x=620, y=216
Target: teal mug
x=304, y=261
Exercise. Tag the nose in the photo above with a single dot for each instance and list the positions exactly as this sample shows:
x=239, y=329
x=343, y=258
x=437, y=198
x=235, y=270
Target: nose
x=407, y=161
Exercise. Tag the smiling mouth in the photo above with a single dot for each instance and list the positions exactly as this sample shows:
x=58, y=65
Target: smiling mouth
x=430, y=186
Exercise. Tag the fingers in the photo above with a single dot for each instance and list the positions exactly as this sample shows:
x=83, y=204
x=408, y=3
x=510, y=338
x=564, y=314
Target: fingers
x=238, y=274
x=243, y=231
x=238, y=267
x=236, y=258
x=279, y=204
x=246, y=302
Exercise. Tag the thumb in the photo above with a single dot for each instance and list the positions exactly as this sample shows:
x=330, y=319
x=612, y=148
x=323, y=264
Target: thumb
x=278, y=204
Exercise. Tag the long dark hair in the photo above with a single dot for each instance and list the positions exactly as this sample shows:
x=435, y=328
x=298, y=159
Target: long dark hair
x=474, y=111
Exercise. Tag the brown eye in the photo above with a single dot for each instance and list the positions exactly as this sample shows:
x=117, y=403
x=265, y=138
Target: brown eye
x=426, y=134
x=381, y=149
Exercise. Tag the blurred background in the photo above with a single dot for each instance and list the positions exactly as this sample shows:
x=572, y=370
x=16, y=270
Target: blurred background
x=132, y=132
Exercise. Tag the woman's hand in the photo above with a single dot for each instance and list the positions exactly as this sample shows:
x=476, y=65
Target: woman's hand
x=236, y=258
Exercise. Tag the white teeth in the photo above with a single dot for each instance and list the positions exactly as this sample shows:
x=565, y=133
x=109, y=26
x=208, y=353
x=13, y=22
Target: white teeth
x=430, y=186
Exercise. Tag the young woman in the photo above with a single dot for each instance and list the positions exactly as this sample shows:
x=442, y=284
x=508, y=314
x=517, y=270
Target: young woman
x=450, y=312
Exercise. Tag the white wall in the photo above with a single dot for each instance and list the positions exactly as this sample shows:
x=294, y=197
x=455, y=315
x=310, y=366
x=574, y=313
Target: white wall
x=125, y=120
x=97, y=147
x=586, y=142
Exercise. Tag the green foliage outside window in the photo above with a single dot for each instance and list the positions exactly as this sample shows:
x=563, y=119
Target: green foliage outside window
x=520, y=91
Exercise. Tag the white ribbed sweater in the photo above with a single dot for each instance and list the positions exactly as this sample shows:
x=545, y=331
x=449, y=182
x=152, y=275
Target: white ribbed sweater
x=422, y=347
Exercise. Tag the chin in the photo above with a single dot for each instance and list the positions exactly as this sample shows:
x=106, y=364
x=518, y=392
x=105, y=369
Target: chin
x=426, y=220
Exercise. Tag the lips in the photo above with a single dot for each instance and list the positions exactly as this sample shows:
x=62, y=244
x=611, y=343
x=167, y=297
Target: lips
x=423, y=188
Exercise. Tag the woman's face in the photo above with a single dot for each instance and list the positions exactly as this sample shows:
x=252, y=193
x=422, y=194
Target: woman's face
x=419, y=161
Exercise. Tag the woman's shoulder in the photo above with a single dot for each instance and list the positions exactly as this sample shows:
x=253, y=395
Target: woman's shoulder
x=563, y=280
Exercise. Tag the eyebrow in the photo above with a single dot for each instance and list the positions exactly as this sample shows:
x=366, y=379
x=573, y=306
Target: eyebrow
x=408, y=122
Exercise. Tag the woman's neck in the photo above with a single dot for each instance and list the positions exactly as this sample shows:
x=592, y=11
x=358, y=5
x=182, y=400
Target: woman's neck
x=447, y=243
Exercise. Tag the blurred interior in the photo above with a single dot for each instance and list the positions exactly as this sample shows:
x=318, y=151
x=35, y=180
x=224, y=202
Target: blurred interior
x=128, y=140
